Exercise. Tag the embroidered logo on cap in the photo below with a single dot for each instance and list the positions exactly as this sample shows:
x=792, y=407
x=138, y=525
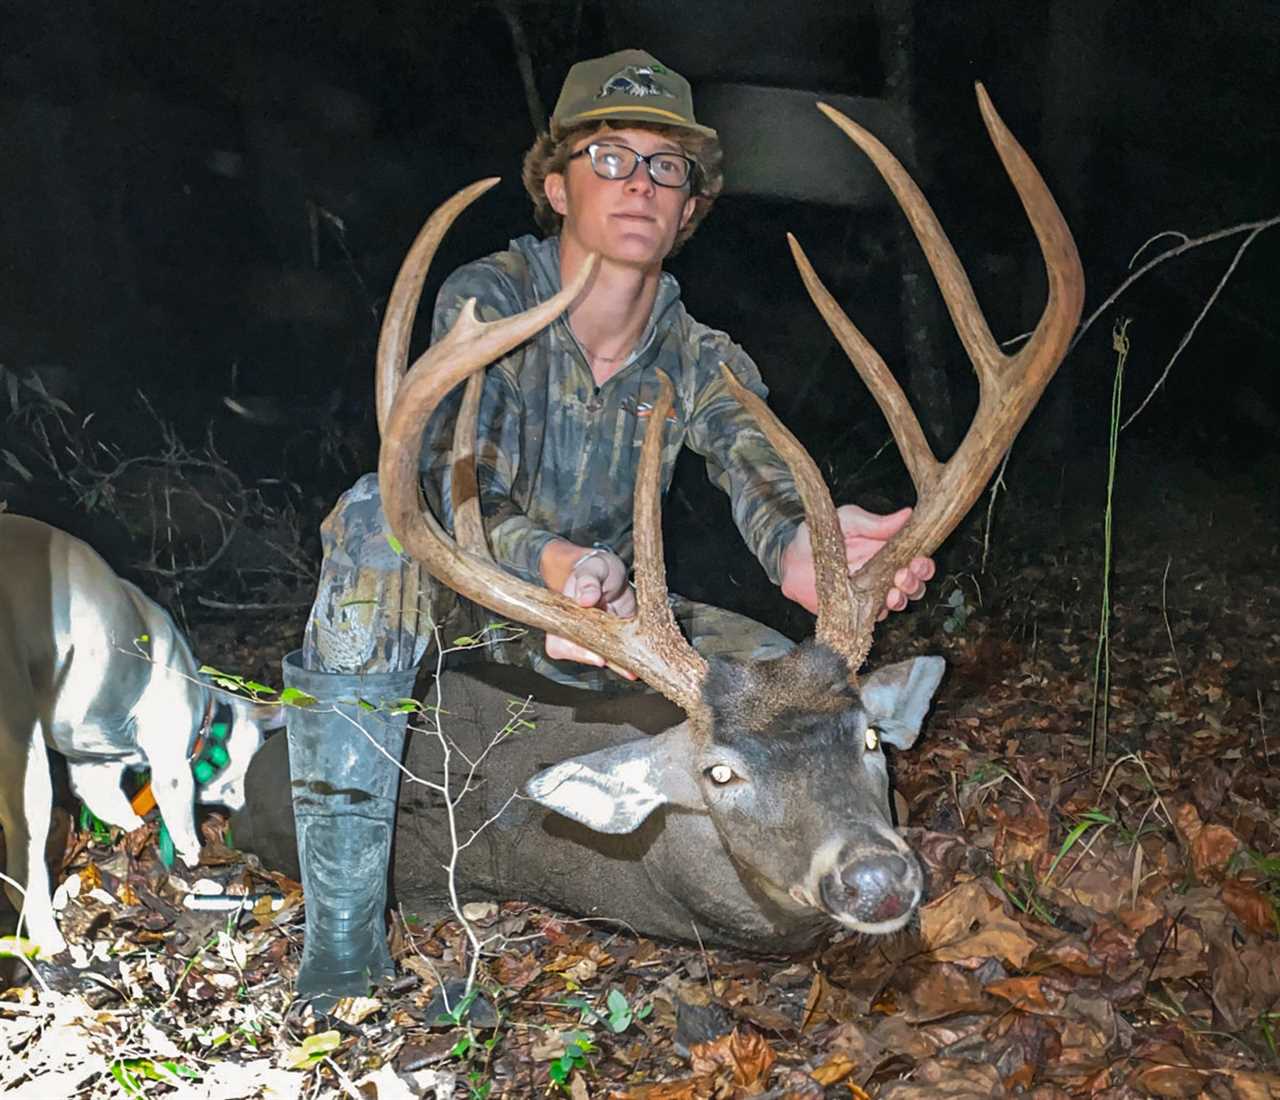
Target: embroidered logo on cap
x=635, y=80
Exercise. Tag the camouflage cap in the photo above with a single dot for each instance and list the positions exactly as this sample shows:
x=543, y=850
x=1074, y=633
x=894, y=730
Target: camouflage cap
x=629, y=85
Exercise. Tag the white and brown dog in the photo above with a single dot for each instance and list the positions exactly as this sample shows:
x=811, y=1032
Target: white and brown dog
x=91, y=667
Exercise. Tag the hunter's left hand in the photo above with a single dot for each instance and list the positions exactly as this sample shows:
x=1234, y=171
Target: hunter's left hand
x=865, y=534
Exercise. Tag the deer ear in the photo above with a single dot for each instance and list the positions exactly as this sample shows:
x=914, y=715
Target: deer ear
x=614, y=790
x=897, y=697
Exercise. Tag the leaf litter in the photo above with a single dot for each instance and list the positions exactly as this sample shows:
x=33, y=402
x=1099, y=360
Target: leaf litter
x=1108, y=931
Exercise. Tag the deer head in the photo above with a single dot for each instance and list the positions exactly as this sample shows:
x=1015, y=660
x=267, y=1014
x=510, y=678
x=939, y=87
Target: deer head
x=784, y=757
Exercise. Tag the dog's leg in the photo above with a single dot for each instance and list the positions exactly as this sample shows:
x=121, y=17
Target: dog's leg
x=97, y=783
x=25, y=814
x=173, y=785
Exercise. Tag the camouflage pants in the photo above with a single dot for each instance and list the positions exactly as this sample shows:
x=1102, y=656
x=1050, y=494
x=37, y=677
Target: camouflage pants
x=376, y=611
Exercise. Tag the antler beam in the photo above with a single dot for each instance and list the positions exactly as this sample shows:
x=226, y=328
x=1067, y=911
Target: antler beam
x=650, y=645
x=1009, y=387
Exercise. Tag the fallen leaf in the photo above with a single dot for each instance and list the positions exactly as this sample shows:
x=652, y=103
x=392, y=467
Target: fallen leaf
x=1099, y=879
x=819, y=1005
x=746, y=1056
x=968, y=923
x=1255, y=1086
x=480, y=912
x=355, y=1010
x=314, y=1048
x=1168, y=1081
x=1187, y=823
x=937, y=990
x=1253, y=908
x=1032, y=994
x=947, y=1079
x=701, y=1087
x=1020, y=839
x=834, y=1071
x=1212, y=850
x=384, y=1084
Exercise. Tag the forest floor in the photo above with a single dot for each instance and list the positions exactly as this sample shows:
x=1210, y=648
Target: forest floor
x=1104, y=929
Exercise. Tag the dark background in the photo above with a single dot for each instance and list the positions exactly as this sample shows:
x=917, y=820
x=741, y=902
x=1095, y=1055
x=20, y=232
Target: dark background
x=202, y=201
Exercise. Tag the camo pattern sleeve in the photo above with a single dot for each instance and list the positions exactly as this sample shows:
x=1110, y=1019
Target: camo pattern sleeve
x=515, y=540
x=740, y=460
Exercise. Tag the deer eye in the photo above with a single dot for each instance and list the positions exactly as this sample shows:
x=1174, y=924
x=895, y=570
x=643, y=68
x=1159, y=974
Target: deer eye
x=871, y=738
x=720, y=774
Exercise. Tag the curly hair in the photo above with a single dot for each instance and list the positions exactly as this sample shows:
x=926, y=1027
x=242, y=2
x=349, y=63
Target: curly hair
x=547, y=155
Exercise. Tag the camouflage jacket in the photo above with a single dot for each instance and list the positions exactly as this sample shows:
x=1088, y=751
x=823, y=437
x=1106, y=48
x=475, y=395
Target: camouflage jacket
x=558, y=455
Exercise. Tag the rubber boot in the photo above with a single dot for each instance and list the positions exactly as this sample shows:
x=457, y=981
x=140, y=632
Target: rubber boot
x=343, y=758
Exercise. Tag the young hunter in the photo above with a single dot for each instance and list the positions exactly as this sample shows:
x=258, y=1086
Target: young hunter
x=627, y=173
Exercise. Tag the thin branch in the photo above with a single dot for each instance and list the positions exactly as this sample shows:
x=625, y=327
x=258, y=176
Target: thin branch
x=1253, y=228
x=222, y=605
x=1186, y=338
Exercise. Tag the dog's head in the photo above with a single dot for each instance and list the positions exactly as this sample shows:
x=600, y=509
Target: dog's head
x=246, y=725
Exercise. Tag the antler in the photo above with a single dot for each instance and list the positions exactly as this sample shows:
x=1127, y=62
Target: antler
x=650, y=645
x=1009, y=387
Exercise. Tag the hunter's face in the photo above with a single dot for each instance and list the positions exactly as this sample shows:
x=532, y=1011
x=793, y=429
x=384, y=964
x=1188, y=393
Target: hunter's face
x=631, y=221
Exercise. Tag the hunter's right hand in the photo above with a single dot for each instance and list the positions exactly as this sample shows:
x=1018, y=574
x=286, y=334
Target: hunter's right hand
x=591, y=578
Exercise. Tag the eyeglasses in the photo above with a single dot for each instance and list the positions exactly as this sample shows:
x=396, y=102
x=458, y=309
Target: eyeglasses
x=618, y=162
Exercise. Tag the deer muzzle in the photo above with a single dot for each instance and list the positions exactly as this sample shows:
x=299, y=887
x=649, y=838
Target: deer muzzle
x=874, y=885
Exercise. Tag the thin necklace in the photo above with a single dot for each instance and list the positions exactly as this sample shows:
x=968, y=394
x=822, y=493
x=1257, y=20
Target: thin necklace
x=603, y=358
x=597, y=355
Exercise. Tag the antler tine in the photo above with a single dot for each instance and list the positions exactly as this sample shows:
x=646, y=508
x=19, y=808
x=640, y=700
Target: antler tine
x=1009, y=386
x=957, y=292
x=468, y=523
x=650, y=644
x=653, y=612
x=916, y=453
x=837, y=608
x=406, y=292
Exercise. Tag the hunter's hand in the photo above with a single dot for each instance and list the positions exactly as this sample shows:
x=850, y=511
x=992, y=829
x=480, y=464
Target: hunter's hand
x=591, y=578
x=865, y=533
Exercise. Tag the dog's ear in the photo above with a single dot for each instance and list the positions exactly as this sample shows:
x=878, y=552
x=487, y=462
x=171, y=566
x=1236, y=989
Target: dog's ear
x=266, y=716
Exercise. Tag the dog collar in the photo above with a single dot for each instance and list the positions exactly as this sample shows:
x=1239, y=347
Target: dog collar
x=208, y=755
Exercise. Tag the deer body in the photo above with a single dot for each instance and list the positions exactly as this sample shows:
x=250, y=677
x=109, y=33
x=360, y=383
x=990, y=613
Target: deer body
x=628, y=824
x=764, y=815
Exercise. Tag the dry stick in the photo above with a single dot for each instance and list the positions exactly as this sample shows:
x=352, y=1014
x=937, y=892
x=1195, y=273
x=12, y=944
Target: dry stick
x=222, y=605
x=1262, y=731
x=1186, y=338
x=1164, y=610
x=455, y=849
x=955, y=795
x=1252, y=228
x=22, y=916
x=706, y=959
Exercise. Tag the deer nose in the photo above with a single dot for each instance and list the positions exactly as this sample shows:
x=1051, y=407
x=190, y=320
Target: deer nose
x=874, y=887
x=874, y=875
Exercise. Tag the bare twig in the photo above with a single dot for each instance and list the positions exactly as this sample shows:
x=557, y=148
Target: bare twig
x=1186, y=337
x=1188, y=243
x=1262, y=731
x=1164, y=611
x=223, y=605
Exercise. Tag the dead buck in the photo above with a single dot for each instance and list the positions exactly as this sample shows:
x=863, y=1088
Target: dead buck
x=763, y=817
